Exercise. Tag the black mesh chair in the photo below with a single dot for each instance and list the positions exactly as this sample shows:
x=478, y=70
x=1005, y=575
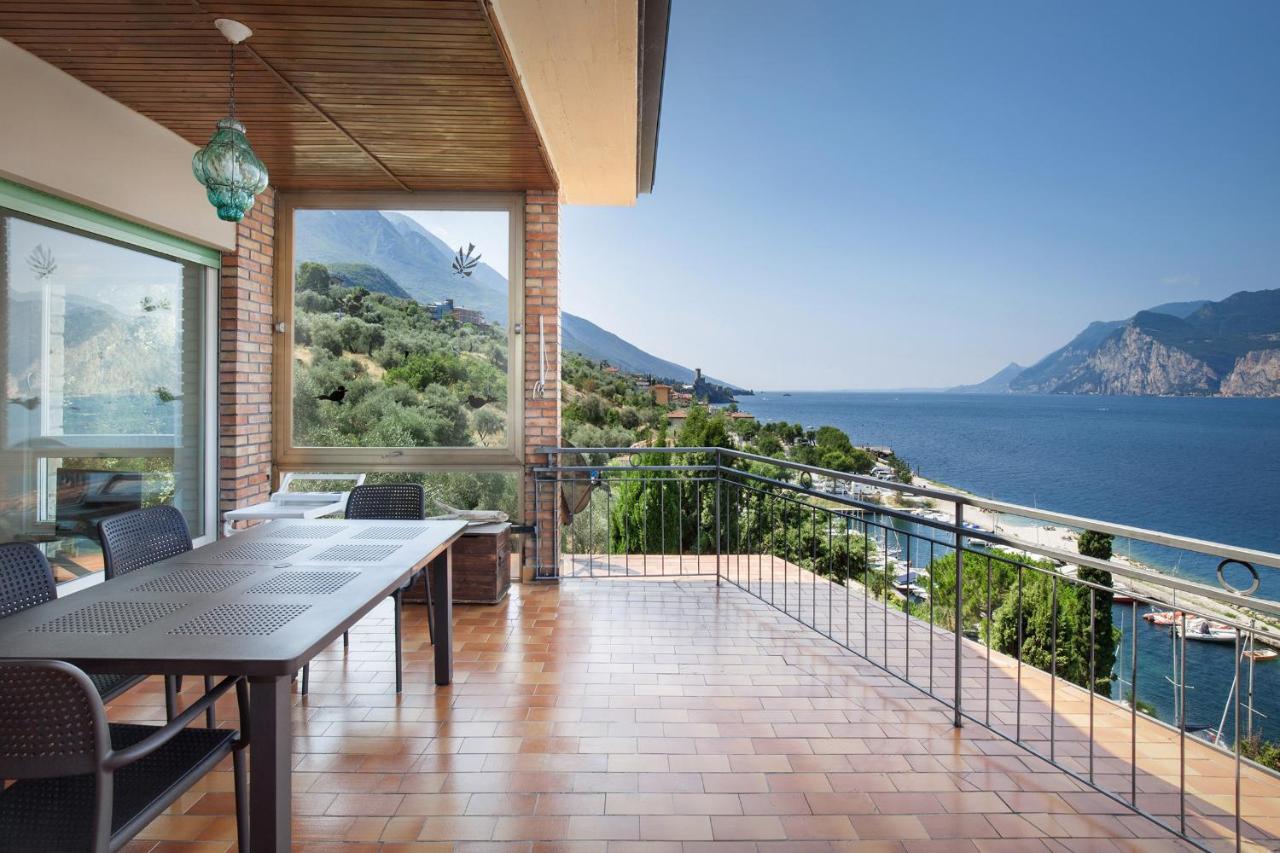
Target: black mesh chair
x=85, y=784
x=134, y=540
x=25, y=581
x=388, y=502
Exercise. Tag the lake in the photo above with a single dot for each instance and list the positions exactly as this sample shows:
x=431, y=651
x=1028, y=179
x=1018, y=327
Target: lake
x=1202, y=467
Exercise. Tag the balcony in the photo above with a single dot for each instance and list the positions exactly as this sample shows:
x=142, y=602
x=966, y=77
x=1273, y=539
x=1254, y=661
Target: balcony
x=674, y=710
x=657, y=700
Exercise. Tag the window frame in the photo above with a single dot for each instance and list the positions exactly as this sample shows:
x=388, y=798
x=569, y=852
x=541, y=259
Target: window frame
x=71, y=216
x=288, y=456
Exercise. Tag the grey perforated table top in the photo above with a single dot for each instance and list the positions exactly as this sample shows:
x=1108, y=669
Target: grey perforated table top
x=260, y=603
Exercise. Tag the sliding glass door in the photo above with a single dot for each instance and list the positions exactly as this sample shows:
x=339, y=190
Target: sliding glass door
x=105, y=365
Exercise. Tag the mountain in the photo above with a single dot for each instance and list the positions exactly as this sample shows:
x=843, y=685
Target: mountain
x=1229, y=347
x=391, y=253
x=417, y=260
x=1045, y=374
x=995, y=384
x=588, y=339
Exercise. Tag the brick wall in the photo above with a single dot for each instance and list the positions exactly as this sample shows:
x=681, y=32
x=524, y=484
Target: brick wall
x=245, y=316
x=541, y=300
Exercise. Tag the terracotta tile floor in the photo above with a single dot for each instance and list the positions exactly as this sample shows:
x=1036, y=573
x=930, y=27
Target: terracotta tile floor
x=615, y=715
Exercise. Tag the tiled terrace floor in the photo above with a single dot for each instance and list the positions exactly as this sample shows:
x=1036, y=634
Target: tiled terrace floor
x=616, y=715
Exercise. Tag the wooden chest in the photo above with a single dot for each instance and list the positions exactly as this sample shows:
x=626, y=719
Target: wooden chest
x=481, y=566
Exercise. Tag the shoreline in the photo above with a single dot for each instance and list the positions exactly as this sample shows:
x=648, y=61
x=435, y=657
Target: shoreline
x=1033, y=533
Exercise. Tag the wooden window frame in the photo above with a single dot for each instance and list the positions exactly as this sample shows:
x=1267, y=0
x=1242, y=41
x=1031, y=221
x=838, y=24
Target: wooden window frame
x=289, y=457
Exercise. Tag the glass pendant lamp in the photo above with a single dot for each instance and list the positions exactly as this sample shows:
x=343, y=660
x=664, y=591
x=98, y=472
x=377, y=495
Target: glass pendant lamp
x=227, y=166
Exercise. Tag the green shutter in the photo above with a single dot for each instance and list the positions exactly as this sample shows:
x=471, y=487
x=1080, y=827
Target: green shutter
x=53, y=209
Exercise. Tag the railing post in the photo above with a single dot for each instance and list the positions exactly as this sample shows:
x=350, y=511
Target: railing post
x=537, y=530
x=959, y=603
x=554, y=542
x=717, y=516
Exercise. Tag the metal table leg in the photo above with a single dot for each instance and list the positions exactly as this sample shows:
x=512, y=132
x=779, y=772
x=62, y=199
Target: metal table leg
x=270, y=764
x=441, y=574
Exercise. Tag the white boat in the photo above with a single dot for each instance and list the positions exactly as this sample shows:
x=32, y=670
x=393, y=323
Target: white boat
x=1208, y=632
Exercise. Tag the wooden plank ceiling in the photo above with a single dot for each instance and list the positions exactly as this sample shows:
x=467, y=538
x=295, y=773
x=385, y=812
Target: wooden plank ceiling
x=338, y=94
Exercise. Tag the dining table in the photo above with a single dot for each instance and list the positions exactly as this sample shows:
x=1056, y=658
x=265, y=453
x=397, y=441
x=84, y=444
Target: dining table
x=259, y=605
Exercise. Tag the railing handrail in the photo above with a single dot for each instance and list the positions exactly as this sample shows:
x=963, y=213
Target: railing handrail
x=1141, y=534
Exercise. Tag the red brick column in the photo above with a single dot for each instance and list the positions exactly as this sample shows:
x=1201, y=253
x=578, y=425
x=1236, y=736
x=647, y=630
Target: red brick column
x=542, y=412
x=245, y=317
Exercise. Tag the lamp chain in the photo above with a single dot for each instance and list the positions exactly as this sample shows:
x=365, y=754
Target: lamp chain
x=231, y=89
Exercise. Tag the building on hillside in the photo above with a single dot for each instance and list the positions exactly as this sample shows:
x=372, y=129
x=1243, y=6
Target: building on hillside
x=677, y=417
x=611, y=369
x=742, y=416
x=662, y=394
x=445, y=308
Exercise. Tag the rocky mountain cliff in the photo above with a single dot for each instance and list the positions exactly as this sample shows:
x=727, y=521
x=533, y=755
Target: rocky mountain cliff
x=1230, y=347
x=1256, y=374
x=1131, y=361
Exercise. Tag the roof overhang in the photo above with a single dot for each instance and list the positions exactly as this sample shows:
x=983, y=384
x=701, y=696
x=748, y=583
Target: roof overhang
x=591, y=74
x=386, y=94
x=374, y=95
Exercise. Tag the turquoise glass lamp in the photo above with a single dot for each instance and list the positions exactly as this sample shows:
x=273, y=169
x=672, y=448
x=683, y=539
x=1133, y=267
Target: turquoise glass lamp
x=227, y=166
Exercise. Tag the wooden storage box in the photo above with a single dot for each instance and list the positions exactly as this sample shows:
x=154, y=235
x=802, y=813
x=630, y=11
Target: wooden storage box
x=482, y=564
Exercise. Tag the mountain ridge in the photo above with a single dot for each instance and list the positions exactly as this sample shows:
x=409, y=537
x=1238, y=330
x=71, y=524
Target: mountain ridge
x=997, y=383
x=389, y=252
x=1199, y=348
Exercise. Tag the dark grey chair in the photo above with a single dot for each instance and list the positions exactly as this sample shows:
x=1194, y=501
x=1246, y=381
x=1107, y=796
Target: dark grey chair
x=85, y=784
x=25, y=581
x=388, y=502
x=134, y=540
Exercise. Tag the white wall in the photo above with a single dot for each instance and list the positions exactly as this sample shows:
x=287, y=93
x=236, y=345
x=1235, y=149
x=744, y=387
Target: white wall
x=63, y=137
x=577, y=64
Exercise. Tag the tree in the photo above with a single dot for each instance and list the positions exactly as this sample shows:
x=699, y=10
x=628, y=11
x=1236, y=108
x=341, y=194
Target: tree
x=312, y=276
x=487, y=421
x=769, y=445
x=435, y=368
x=1099, y=546
x=1094, y=544
x=1046, y=623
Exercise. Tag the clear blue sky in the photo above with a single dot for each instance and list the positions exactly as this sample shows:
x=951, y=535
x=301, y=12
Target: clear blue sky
x=893, y=194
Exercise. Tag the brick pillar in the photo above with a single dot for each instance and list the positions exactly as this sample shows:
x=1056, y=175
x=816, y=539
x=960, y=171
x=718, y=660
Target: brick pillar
x=245, y=317
x=541, y=413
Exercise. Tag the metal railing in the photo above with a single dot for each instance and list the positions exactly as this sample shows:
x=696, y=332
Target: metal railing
x=1007, y=633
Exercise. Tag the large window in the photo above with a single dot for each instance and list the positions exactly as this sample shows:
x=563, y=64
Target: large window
x=105, y=368
x=402, y=331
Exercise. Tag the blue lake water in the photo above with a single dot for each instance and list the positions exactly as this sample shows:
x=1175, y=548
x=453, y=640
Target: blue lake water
x=1202, y=467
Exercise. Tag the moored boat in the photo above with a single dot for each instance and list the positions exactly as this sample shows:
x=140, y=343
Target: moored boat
x=1206, y=631
x=1162, y=618
x=1263, y=654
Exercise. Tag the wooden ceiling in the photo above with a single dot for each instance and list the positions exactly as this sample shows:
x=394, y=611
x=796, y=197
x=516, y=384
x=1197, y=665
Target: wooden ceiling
x=334, y=94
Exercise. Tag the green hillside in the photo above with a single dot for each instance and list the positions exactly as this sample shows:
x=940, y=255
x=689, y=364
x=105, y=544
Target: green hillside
x=378, y=370
x=369, y=277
